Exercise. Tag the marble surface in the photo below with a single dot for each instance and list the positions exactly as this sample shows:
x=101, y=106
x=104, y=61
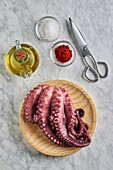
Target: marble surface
x=17, y=21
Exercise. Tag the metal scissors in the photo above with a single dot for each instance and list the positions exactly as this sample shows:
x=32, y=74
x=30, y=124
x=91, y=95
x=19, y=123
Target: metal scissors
x=86, y=54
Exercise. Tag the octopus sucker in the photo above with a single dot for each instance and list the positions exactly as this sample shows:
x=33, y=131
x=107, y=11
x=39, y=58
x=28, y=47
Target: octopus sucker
x=51, y=107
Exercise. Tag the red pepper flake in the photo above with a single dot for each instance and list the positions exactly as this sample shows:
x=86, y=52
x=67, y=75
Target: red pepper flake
x=63, y=53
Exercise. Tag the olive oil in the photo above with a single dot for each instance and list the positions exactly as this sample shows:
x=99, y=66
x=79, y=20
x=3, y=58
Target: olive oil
x=26, y=67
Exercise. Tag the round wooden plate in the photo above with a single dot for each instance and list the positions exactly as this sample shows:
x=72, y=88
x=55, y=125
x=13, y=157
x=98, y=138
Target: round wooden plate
x=39, y=141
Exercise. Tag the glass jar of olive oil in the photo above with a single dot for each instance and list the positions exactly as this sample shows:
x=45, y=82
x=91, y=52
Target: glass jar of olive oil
x=22, y=60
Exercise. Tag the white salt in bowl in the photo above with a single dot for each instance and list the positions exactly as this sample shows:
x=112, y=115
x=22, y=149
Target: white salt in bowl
x=48, y=29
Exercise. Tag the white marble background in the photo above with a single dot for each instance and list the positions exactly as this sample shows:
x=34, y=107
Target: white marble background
x=17, y=21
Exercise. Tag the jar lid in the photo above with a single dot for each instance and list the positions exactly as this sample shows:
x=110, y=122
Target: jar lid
x=20, y=55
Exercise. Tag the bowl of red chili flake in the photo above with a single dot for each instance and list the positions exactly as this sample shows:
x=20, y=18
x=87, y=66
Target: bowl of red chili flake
x=63, y=53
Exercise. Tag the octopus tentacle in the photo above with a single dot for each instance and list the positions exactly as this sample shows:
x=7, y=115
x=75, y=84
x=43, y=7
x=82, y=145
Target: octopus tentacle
x=59, y=122
x=30, y=103
x=80, y=112
x=80, y=126
x=70, y=113
x=86, y=126
x=57, y=117
x=80, y=138
x=43, y=111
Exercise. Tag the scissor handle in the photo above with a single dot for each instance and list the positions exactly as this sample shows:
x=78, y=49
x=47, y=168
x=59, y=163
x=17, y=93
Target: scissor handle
x=94, y=73
x=94, y=69
x=106, y=69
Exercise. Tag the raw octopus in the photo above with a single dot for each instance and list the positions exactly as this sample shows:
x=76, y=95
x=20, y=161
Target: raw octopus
x=51, y=107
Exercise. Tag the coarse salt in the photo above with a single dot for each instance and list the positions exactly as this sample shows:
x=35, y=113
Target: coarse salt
x=49, y=30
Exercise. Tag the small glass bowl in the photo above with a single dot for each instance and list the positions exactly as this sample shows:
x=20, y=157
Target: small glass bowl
x=48, y=29
x=53, y=57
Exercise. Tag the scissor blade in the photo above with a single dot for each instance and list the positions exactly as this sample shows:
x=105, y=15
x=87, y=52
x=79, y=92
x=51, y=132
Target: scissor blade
x=77, y=35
